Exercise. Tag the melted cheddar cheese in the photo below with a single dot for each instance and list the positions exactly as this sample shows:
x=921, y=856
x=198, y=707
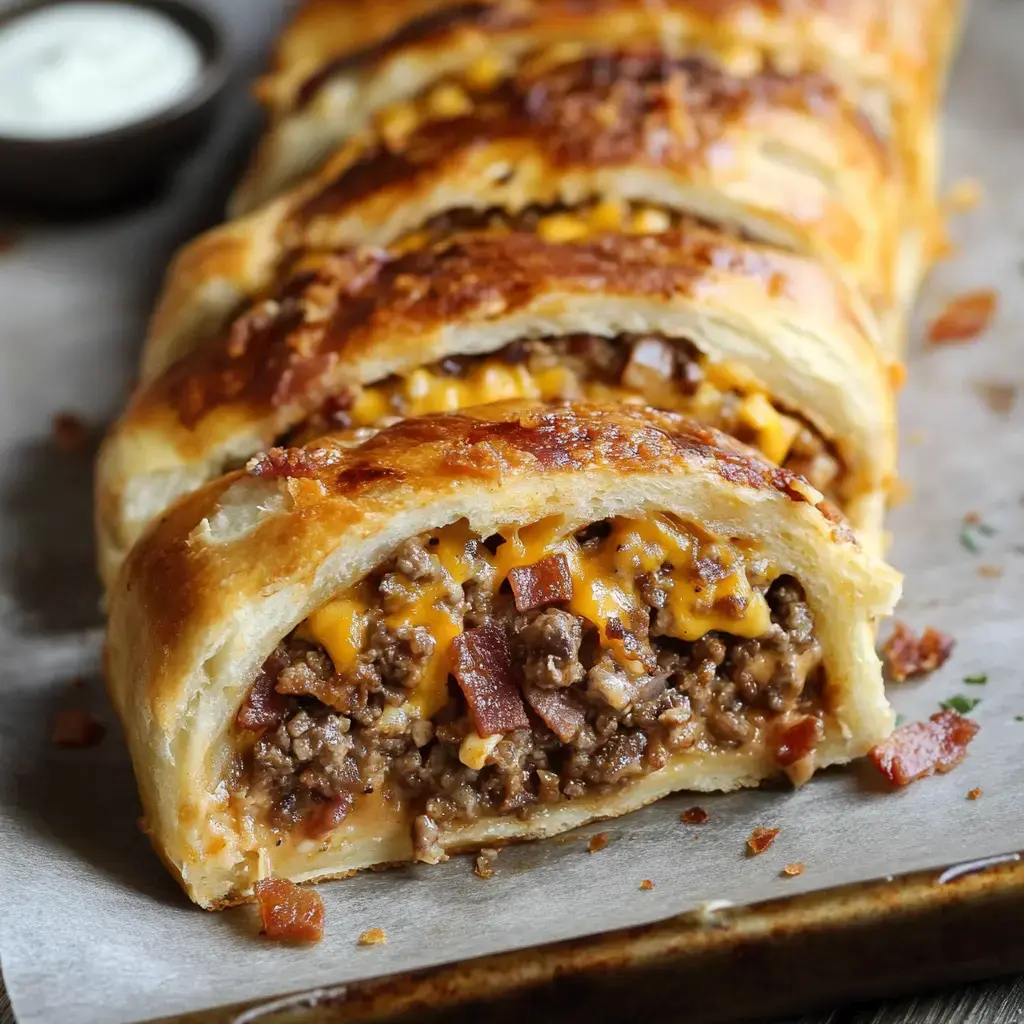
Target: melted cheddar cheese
x=425, y=390
x=705, y=578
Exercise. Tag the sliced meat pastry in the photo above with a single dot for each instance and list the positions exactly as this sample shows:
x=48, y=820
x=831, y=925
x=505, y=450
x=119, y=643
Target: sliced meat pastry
x=342, y=67
x=756, y=341
x=781, y=158
x=482, y=627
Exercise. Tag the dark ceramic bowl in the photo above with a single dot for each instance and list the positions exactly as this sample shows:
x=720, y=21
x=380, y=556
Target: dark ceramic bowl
x=87, y=172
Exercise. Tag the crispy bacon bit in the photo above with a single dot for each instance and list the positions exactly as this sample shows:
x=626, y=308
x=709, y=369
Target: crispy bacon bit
x=373, y=937
x=792, y=870
x=77, y=730
x=71, y=433
x=651, y=362
x=482, y=666
x=285, y=462
x=798, y=740
x=536, y=585
x=598, y=842
x=557, y=710
x=694, y=816
x=909, y=656
x=973, y=794
x=483, y=867
x=964, y=318
x=288, y=912
x=263, y=706
x=646, y=885
x=920, y=749
x=760, y=839
x=328, y=816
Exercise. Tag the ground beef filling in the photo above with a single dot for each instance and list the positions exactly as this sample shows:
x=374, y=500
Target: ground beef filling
x=309, y=760
x=668, y=373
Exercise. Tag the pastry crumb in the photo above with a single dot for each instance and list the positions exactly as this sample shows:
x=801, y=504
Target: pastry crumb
x=646, y=885
x=483, y=866
x=792, y=870
x=973, y=794
x=373, y=937
x=989, y=572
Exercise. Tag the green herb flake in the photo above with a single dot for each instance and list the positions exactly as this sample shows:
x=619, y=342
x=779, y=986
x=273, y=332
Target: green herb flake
x=968, y=541
x=979, y=679
x=900, y=719
x=960, y=704
x=1018, y=718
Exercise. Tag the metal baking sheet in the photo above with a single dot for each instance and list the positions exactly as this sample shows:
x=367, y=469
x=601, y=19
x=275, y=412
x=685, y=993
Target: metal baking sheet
x=91, y=927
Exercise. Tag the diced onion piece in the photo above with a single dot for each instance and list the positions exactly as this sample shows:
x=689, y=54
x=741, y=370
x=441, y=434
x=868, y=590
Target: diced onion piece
x=542, y=583
x=651, y=363
x=475, y=750
x=482, y=666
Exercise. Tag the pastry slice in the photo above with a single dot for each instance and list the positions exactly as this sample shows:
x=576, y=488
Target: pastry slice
x=761, y=343
x=478, y=628
x=781, y=158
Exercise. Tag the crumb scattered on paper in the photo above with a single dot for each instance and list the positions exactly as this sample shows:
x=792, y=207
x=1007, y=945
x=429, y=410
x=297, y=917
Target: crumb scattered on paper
x=598, y=842
x=909, y=656
x=964, y=195
x=973, y=794
x=694, y=816
x=373, y=937
x=646, y=885
x=792, y=870
x=989, y=572
x=964, y=318
x=760, y=839
x=1000, y=398
x=77, y=730
x=483, y=866
x=71, y=433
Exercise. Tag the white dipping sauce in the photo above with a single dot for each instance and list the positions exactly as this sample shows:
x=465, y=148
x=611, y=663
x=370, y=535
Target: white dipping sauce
x=75, y=69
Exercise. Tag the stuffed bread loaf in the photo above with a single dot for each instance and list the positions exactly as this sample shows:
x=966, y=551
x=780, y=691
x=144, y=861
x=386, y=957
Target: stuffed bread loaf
x=479, y=627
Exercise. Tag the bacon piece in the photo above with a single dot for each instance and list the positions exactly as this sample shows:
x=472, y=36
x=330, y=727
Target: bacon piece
x=482, y=666
x=797, y=741
x=760, y=839
x=557, y=710
x=964, y=318
x=909, y=655
x=536, y=585
x=920, y=749
x=288, y=912
x=694, y=816
x=77, y=730
x=263, y=705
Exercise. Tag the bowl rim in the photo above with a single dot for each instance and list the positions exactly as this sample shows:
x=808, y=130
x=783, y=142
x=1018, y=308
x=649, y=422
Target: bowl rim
x=217, y=59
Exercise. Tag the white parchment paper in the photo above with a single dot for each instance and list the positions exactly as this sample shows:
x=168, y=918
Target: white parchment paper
x=91, y=927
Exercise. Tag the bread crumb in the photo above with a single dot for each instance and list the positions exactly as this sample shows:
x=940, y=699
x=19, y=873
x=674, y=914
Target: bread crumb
x=483, y=866
x=373, y=937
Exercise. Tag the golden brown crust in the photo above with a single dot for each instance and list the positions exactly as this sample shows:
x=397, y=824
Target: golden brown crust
x=359, y=318
x=688, y=117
